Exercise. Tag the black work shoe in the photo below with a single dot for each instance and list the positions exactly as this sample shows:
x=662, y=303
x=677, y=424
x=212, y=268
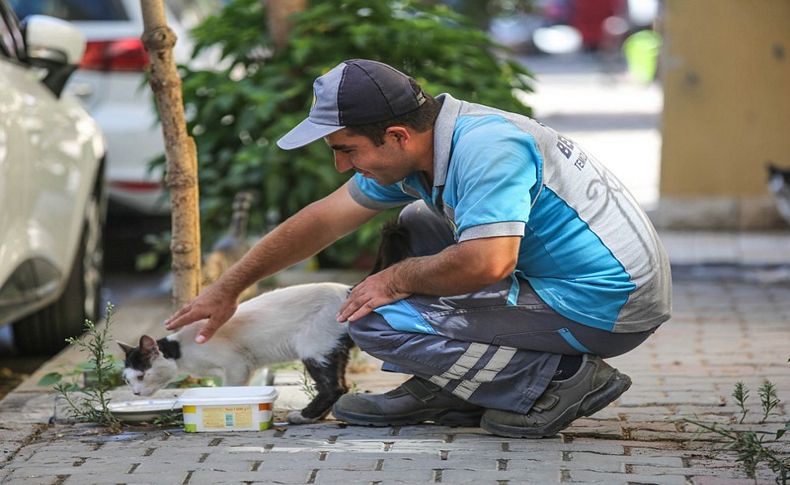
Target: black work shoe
x=413, y=402
x=592, y=388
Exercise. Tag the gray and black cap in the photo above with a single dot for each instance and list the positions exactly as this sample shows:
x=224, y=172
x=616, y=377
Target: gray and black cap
x=355, y=92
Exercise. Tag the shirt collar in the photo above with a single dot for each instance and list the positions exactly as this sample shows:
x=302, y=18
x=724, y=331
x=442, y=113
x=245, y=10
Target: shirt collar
x=443, y=130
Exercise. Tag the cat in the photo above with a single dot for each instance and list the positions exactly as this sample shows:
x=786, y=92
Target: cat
x=297, y=322
x=232, y=246
x=779, y=186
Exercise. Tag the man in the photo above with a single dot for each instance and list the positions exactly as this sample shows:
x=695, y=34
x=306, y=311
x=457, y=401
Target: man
x=531, y=260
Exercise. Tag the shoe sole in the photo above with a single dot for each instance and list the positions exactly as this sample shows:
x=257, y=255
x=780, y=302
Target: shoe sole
x=439, y=416
x=591, y=403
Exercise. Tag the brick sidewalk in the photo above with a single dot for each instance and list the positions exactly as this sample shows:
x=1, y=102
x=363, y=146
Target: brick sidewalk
x=721, y=332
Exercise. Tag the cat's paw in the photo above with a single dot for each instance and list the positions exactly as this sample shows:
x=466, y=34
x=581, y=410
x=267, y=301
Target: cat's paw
x=295, y=417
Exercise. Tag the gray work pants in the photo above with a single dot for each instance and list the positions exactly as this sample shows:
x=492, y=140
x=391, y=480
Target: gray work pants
x=498, y=347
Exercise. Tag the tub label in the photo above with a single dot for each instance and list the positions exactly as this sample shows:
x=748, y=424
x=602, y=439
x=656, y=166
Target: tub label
x=224, y=417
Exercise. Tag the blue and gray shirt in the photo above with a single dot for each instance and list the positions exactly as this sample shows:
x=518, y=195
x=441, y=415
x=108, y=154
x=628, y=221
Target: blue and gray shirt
x=587, y=248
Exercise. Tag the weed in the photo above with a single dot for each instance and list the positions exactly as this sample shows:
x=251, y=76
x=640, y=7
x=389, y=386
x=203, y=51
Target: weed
x=307, y=384
x=768, y=399
x=169, y=419
x=741, y=394
x=90, y=403
x=753, y=447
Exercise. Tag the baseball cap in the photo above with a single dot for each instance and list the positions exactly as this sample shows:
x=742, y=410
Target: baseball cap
x=355, y=92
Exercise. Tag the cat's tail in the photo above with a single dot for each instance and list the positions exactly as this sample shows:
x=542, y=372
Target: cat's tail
x=395, y=246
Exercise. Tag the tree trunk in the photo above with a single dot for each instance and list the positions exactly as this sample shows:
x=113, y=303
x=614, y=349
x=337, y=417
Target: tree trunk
x=278, y=12
x=180, y=153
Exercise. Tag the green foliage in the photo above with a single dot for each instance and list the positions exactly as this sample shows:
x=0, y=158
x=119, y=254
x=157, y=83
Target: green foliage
x=753, y=447
x=84, y=375
x=239, y=110
x=157, y=254
x=741, y=394
x=768, y=398
x=90, y=403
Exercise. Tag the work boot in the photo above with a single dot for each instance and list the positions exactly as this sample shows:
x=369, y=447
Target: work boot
x=592, y=388
x=413, y=402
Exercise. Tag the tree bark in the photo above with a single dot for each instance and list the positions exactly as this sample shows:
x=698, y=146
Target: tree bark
x=180, y=153
x=278, y=12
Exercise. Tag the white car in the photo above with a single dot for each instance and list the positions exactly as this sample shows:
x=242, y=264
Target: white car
x=112, y=87
x=51, y=187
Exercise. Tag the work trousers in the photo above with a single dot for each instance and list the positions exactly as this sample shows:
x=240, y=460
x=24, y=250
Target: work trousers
x=498, y=347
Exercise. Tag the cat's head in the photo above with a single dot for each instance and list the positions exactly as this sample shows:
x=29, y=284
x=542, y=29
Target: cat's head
x=151, y=365
x=777, y=177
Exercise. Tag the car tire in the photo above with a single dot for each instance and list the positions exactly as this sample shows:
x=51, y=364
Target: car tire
x=45, y=332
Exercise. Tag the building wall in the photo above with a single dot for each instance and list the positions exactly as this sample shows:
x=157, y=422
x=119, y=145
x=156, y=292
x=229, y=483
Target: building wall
x=726, y=75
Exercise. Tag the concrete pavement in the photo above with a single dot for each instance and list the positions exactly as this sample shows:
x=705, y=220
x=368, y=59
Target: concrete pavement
x=730, y=323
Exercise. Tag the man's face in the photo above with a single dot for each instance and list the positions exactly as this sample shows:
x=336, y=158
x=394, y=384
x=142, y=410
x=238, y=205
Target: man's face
x=386, y=164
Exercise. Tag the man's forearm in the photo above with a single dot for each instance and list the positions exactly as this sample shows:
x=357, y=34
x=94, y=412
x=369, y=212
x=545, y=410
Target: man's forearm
x=290, y=242
x=450, y=272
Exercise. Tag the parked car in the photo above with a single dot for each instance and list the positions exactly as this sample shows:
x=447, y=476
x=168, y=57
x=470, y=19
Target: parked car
x=52, y=196
x=112, y=87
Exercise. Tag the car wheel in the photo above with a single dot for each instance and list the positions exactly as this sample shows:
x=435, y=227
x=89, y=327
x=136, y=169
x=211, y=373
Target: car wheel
x=46, y=331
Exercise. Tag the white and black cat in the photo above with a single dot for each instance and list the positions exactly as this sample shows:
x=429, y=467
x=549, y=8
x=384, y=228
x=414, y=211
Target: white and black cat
x=297, y=322
x=779, y=185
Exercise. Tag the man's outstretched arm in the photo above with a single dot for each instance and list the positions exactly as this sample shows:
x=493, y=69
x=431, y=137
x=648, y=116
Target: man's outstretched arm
x=302, y=235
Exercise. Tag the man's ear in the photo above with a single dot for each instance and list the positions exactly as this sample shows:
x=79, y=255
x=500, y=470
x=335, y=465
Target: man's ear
x=125, y=347
x=399, y=132
x=148, y=345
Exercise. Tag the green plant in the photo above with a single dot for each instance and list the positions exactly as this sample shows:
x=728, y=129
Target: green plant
x=768, y=398
x=169, y=419
x=307, y=384
x=158, y=253
x=90, y=403
x=84, y=375
x=753, y=447
x=237, y=111
x=741, y=394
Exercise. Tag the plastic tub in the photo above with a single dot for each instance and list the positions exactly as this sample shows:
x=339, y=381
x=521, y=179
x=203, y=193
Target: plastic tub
x=228, y=408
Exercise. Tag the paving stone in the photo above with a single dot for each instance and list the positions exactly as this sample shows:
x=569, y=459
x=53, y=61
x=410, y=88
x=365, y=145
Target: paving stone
x=720, y=334
x=588, y=476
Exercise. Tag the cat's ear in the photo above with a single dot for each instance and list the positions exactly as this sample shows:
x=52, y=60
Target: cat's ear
x=125, y=347
x=148, y=345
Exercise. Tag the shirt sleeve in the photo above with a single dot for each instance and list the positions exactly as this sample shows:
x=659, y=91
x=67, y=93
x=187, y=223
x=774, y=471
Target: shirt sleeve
x=496, y=167
x=368, y=193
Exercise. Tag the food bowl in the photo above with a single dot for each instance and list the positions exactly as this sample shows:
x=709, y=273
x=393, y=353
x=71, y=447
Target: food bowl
x=246, y=408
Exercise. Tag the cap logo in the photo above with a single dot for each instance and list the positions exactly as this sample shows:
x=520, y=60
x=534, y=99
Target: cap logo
x=420, y=97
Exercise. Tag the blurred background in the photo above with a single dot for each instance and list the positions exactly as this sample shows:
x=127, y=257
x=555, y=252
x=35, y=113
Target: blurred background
x=687, y=102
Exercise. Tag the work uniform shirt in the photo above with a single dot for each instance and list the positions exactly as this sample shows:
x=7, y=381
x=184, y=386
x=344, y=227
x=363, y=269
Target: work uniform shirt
x=587, y=248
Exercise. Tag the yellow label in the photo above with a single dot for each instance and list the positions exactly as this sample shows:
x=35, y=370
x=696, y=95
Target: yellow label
x=223, y=417
x=190, y=409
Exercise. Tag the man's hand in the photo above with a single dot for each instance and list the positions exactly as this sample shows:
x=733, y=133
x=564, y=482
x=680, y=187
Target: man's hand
x=212, y=304
x=374, y=291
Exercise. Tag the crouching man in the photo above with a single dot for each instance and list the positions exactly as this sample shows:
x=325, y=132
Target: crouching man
x=532, y=262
